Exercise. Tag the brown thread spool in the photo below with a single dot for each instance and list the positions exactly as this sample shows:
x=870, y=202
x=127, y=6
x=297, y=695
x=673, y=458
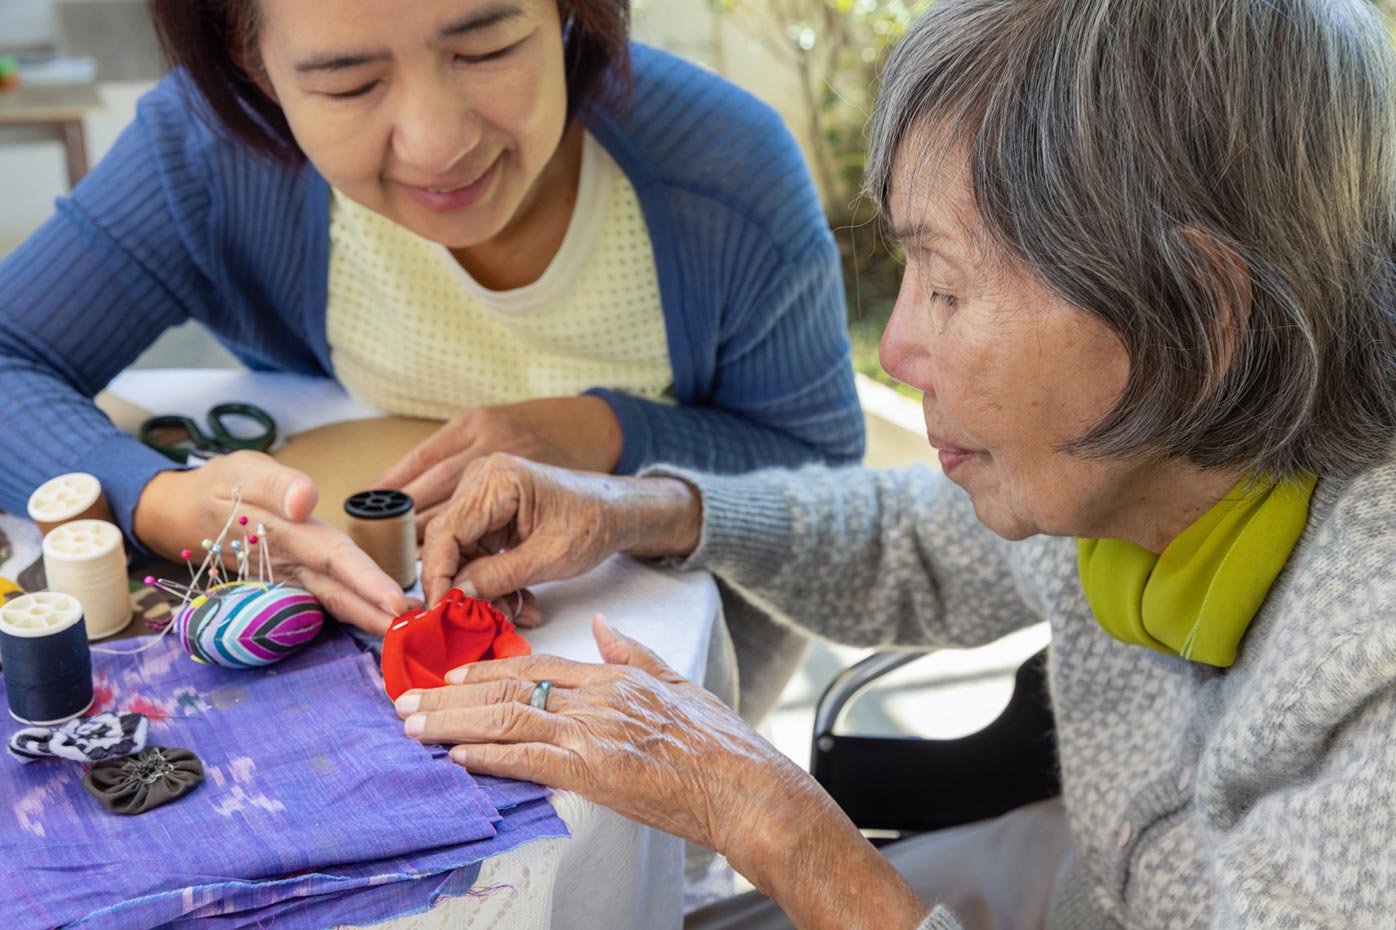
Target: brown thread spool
x=383, y=523
x=74, y=496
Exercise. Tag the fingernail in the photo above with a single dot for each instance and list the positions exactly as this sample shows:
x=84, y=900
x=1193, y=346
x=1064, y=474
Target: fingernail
x=458, y=755
x=456, y=675
x=415, y=725
x=468, y=589
x=286, y=504
x=408, y=703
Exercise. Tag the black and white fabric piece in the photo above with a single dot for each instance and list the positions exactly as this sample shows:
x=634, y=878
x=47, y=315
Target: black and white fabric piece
x=86, y=739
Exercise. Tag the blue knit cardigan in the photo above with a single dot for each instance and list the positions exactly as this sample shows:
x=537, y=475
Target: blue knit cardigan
x=179, y=222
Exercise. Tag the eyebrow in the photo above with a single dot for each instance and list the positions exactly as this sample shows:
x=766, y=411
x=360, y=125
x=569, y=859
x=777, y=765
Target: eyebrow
x=917, y=232
x=479, y=22
x=475, y=22
x=338, y=62
x=926, y=235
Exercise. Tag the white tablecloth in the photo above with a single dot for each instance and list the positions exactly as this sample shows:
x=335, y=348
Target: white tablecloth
x=611, y=874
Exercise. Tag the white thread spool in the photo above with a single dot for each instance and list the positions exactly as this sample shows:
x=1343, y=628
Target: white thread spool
x=74, y=496
x=86, y=558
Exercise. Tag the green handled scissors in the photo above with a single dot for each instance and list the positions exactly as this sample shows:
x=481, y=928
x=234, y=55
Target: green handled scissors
x=180, y=438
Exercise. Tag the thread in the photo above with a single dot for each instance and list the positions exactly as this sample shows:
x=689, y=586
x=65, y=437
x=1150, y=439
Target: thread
x=74, y=496
x=45, y=659
x=383, y=523
x=86, y=558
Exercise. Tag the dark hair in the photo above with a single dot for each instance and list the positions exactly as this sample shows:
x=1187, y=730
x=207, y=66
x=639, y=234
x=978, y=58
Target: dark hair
x=1213, y=179
x=214, y=42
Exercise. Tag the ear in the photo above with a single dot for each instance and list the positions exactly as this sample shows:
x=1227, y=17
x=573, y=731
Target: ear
x=1224, y=274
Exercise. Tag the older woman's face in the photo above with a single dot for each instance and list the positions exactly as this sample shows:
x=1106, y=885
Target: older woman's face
x=439, y=114
x=1010, y=371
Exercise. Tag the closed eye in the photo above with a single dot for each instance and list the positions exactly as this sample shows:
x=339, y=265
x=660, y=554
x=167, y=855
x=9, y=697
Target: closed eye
x=949, y=299
x=488, y=56
x=351, y=94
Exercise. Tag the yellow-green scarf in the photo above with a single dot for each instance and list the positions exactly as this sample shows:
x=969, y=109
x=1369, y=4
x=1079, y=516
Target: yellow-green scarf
x=1197, y=598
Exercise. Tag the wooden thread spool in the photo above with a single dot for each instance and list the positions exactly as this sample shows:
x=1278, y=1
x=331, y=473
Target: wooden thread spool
x=45, y=659
x=383, y=523
x=74, y=496
x=86, y=558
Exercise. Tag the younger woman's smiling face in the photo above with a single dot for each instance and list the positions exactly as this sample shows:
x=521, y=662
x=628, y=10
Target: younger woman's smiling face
x=442, y=115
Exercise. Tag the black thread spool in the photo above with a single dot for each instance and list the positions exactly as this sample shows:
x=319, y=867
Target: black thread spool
x=45, y=658
x=383, y=523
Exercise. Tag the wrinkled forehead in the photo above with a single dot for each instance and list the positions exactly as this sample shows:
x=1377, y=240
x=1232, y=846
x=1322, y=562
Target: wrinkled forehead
x=930, y=194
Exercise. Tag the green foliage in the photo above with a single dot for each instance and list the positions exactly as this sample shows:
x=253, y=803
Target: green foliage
x=835, y=48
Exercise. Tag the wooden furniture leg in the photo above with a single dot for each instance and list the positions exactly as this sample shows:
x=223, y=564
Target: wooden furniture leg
x=75, y=143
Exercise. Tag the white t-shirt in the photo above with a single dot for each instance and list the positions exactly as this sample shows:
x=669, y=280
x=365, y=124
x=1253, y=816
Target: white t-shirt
x=412, y=333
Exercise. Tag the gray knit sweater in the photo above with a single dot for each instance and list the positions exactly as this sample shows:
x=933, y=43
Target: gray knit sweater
x=1255, y=797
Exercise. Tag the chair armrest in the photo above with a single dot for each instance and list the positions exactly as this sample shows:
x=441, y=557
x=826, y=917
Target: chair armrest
x=849, y=683
x=909, y=784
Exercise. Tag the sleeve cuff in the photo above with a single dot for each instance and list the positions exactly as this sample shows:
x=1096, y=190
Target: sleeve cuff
x=939, y=919
x=746, y=523
x=124, y=467
x=634, y=429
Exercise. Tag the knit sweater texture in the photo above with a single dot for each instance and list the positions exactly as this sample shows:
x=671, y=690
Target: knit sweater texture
x=1260, y=796
x=179, y=221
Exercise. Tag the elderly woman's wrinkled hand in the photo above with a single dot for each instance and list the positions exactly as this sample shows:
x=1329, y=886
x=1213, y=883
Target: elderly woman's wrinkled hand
x=630, y=734
x=512, y=523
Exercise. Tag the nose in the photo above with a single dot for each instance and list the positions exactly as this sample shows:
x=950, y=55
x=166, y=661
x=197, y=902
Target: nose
x=435, y=127
x=905, y=349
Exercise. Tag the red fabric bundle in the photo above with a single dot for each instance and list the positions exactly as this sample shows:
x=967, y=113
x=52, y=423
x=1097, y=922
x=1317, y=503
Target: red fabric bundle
x=422, y=646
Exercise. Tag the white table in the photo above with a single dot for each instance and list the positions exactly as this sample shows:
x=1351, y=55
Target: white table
x=611, y=874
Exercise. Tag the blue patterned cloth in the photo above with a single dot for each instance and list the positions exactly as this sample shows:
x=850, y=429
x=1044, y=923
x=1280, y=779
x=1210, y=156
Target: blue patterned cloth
x=315, y=809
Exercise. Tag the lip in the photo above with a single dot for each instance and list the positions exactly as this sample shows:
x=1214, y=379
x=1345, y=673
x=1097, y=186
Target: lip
x=441, y=198
x=951, y=456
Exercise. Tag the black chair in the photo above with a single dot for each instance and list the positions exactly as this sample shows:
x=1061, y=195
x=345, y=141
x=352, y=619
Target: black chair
x=910, y=784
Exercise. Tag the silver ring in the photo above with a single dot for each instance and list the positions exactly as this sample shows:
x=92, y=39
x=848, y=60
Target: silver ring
x=539, y=698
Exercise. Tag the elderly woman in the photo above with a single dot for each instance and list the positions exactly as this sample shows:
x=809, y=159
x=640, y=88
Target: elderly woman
x=1151, y=300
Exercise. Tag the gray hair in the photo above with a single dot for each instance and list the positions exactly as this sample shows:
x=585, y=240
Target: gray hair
x=1213, y=179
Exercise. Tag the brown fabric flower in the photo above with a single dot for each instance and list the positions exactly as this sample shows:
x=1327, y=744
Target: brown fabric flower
x=143, y=782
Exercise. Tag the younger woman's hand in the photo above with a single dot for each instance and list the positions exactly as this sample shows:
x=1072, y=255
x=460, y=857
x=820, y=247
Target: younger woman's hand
x=574, y=432
x=178, y=509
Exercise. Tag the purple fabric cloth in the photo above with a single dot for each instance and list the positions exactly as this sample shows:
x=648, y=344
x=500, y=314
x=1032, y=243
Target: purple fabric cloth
x=314, y=810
